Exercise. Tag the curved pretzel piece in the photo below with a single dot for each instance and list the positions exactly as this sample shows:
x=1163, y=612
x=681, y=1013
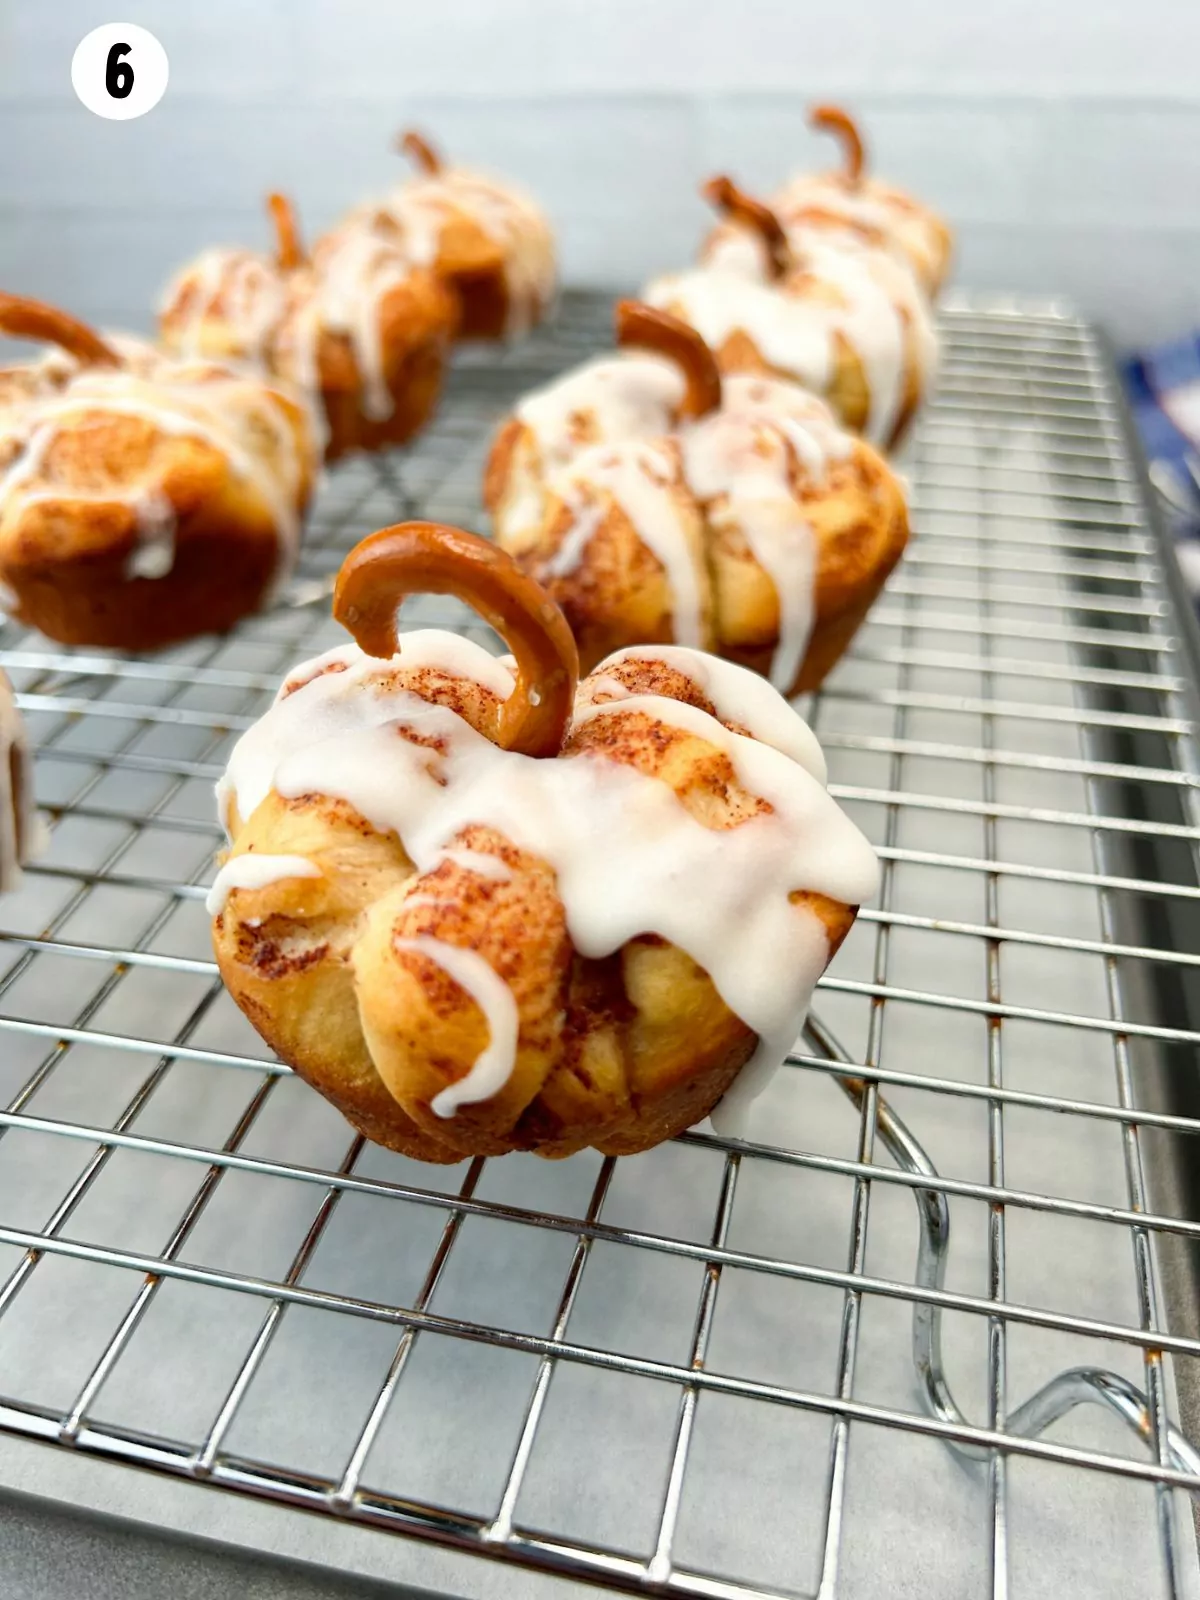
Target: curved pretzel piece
x=289, y=252
x=420, y=152
x=832, y=119
x=739, y=207
x=431, y=558
x=31, y=319
x=643, y=327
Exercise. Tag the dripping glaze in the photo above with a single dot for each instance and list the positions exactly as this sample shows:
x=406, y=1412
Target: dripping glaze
x=353, y=272
x=333, y=731
x=240, y=290
x=644, y=482
x=171, y=397
x=876, y=306
x=425, y=207
x=737, y=464
x=604, y=401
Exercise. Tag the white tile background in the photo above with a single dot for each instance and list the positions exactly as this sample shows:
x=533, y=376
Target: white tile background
x=1061, y=136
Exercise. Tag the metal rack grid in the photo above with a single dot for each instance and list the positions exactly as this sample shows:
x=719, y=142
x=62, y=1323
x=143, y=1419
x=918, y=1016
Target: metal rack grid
x=687, y=1372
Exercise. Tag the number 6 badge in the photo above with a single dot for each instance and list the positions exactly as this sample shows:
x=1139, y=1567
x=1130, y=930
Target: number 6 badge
x=119, y=71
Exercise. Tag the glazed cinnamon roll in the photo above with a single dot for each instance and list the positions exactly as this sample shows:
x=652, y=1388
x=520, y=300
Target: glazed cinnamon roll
x=144, y=499
x=756, y=526
x=355, y=325
x=845, y=208
x=482, y=907
x=485, y=238
x=850, y=325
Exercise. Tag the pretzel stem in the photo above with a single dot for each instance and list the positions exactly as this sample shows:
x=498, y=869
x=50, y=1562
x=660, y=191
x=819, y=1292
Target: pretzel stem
x=643, y=327
x=289, y=252
x=420, y=152
x=747, y=212
x=431, y=558
x=31, y=319
x=832, y=119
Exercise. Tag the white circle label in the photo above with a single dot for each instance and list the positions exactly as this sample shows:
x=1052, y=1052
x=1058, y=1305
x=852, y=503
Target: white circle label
x=119, y=71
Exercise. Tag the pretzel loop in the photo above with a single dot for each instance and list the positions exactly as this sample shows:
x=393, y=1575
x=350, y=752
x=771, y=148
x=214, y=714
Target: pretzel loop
x=743, y=209
x=420, y=152
x=832, y=119
x=431, y=558
x=643, y=327
x=32, y=319
x=289, y=252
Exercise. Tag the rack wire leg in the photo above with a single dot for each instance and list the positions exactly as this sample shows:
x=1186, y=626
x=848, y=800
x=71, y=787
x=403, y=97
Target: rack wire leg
x=1074, y=1387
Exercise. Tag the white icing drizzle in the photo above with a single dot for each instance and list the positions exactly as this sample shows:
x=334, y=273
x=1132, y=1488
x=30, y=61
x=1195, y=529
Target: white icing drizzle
x=254, y=871
x=237, y=303
x=481, y=864
x=353, y=270
x=781, y=540
x=153, y=555
x=588, y=510
x=643, y=480
x=23, y=386
x=790, y=333
x=910, y=229
x=730, y=248
x=609, y=400
x=434, y=648
x=736, y=694
x=863, y=295
x=720, y=895
x=737, y=461
x=225, y=302
x=604, y=401
x=227, y=410
x=492, y=1068
x=868, y=201
x=453, y=654
x=22, y=832
x=424, y=207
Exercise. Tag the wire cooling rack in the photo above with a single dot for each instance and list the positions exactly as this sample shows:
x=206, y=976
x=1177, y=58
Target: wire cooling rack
x=720, y=1369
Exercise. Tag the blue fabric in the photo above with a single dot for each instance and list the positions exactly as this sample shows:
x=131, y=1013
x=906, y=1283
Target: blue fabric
x=1151, y=379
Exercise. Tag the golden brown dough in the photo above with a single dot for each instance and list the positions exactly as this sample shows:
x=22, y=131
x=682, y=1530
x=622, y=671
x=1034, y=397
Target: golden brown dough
x=143, y=500
x=446, y=1008
x=849, y=209
x=357, y=325
x=620, y=545
x=759, y=529
x=484, y=238
x=850, y=324
x=228, y=302
x=662, y=373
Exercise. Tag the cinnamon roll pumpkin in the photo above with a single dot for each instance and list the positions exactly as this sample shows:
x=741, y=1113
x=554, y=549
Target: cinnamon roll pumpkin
x=850, y=198
x=483, y=907
x=850, y=325
x=845, y=208
x=752, y=524
x=227, y=304
x=485, y=238
x=143, y=499
x=355, y=325
x=642, y=392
